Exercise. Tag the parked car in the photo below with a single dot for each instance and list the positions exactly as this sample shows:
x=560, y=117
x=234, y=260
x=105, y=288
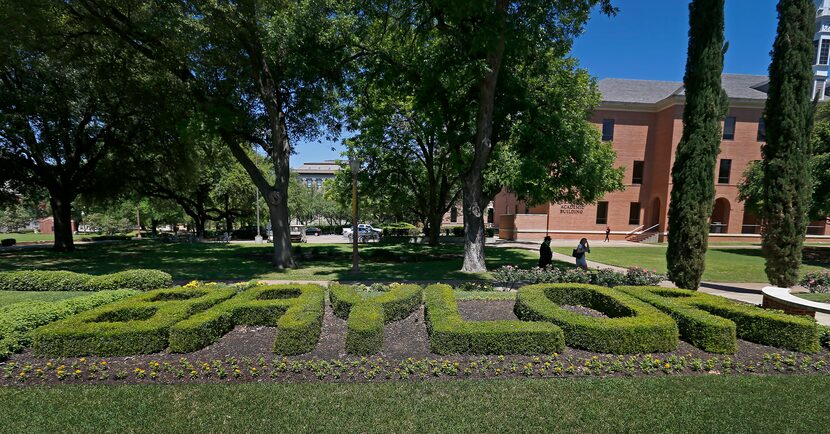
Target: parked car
x=364, y=229
x=248, y=233
x=297, y=234
x=313, y=231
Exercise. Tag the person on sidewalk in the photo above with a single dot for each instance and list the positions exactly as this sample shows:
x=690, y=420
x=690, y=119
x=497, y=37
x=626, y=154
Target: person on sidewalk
x=579, y=253
x=607, y=234
x=545, y=253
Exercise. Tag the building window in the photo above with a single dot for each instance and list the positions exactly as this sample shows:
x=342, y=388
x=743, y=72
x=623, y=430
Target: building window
x=319, y=183
x=607, y=129
x=725, y=169
x=491, y=215
x=602, y=213
x=309, y=182
x=634, y=213
x=762, y=131
x=637, y=175
x=453, y=215
x=824, y=53
x=729, y=128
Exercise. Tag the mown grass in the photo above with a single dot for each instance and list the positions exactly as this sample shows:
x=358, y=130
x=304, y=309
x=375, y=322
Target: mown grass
x=723, y=264
x=823, y=298
x=209, y=261
x=670, y=404
x=29, y=237
x=10, y=297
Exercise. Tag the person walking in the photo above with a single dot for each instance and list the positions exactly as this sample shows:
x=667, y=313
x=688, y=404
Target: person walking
x=579, y=253
x=607, y=234
x=545, y=253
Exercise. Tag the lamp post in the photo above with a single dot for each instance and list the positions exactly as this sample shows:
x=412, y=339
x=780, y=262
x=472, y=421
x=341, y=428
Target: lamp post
x=354, y=164
x=138, y=221
x=258, y=238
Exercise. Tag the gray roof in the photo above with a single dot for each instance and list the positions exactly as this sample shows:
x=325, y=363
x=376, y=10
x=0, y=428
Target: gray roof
x=738, y=86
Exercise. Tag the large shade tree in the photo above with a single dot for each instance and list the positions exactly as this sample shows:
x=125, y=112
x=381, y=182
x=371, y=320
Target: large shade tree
x=263, y=72
x=69, y=106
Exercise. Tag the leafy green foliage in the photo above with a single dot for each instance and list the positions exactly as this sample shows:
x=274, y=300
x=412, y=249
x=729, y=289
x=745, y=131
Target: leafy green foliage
x=788, y=118
x=693, y=172
x=137, y=325
x=711, y=322
x=295, y=308
x=631, y=327
x=19, y=319
x=450, y=334
x=43, y=280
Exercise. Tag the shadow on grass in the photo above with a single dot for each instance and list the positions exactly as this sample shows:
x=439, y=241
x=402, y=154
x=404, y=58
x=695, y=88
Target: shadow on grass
x=208, y=261
x=812, y=255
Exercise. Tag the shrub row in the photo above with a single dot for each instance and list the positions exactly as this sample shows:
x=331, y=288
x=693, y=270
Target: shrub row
x=19, y=319
x=632, y=326
x=366, y=316
x=43, y=280
x=712, y=323
x=137, y=325
x=450, y=334
x=296, y=311
x=513, y=276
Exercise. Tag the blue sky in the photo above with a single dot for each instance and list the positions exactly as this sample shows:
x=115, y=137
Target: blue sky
x=646, y=40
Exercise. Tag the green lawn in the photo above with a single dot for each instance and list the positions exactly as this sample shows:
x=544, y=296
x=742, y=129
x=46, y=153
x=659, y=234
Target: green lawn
x=824, y=298
x=688, y=404
x=9, y=297
x=249, y=261
x=723, y=264
x=42, y=238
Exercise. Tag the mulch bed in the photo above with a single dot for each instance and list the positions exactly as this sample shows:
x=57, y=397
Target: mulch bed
x=245, y=355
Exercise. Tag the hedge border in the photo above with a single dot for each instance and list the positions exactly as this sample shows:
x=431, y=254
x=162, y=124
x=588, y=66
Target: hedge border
x=257, y=306
x=450, y=334
x=59, y=280
x=633, y=326
x=19, y=319
x=367, y=316
x=157, y=311
x=752, y=323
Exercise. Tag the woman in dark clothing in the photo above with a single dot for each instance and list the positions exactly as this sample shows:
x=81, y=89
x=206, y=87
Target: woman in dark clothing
x=545, y=254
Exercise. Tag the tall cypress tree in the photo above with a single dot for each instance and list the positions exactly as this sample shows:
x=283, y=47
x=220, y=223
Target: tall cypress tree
x=693, y=173
x=788, y=117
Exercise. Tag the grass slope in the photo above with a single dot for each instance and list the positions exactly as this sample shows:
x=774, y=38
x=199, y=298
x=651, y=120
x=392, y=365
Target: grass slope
x=725, y=264
x=688, y=404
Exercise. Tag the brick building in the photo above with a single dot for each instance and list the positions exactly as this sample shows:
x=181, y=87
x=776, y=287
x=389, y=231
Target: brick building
x=643, y=120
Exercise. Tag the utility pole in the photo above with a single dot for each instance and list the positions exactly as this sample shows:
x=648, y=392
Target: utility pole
x=354, y=164
x=138, y=221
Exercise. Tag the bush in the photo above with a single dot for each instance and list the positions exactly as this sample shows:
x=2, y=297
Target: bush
x=43, y=280
x=825, y=336
x=364, y=333
x=263, y=305
x=712, y=323
x=8, y=242
x=450, y=334
x=400, y=230
x=19, y=319
x=137, y=325
x=632, y=326
x=817, y=281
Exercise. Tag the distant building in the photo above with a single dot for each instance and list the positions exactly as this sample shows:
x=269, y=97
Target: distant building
x=47, y=225
x=313, y=175
x=821, y=41
x=643, y=120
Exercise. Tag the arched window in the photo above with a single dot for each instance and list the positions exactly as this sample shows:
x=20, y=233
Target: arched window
x=308, y=182
x=319, y=183
x=454, y=215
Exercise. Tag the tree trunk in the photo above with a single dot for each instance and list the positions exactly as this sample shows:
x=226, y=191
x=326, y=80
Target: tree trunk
x=278, y=208
x=200, y=222
x=154, y=227
x=434, y=232
x=473, y=225
x=62, y=215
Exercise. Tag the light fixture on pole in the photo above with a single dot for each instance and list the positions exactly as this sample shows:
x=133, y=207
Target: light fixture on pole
x=354, y=164
x=138, y=221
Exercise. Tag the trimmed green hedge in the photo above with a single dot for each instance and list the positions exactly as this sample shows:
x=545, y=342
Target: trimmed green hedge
x=45, y=280
x=712, y=323
x=632, y=327
x=366, y=316
x=825, y=336
x=450, y=334
x=296, y=311
x=137, y=325
x=19, y=319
